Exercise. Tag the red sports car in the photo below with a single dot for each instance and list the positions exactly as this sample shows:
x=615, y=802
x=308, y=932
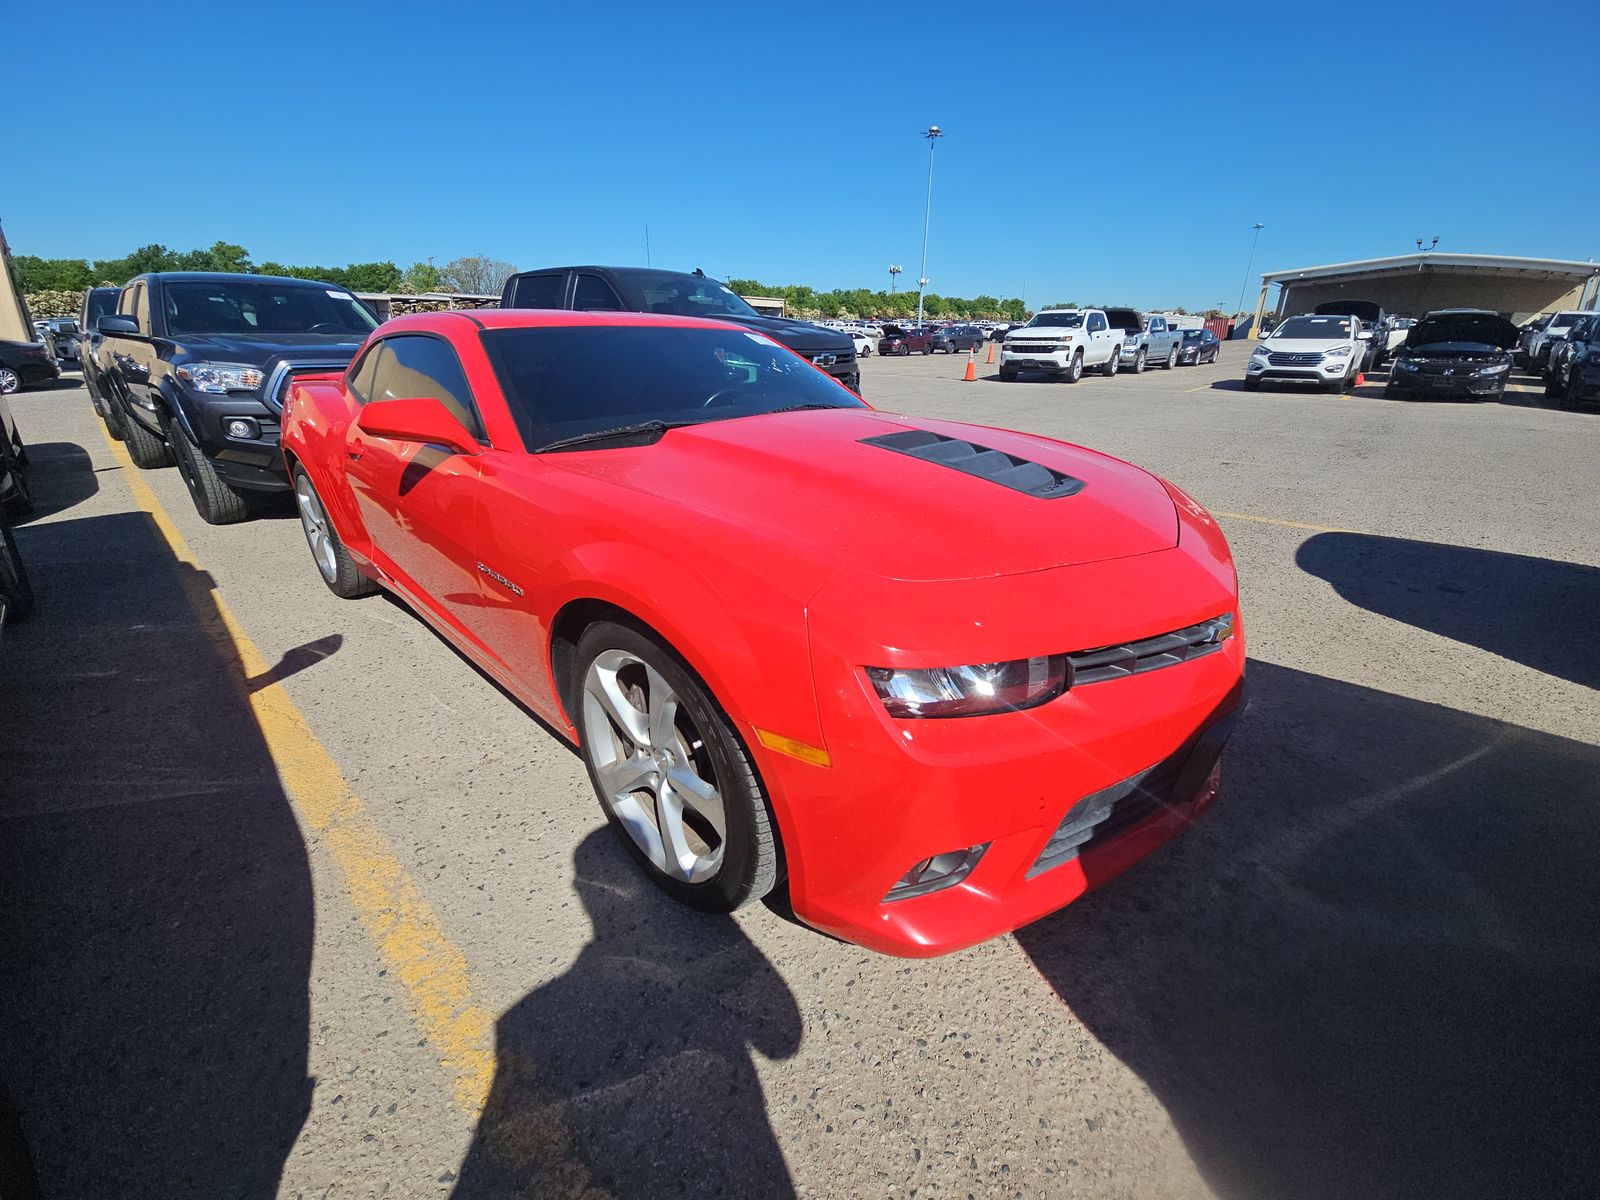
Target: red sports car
x=944, y=677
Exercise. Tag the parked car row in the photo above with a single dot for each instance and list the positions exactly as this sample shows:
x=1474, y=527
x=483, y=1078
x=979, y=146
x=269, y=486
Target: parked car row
x=1066, y=342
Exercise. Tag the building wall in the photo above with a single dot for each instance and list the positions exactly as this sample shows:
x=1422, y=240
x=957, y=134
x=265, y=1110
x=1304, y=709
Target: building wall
x=1415, y=292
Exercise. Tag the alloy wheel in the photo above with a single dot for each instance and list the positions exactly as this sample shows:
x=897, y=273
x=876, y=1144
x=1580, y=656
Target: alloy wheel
x=653, y=766
x=10, y=381
x=314, y=521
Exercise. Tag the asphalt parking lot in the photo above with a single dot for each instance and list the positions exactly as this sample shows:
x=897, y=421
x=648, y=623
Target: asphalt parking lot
x=293, y=901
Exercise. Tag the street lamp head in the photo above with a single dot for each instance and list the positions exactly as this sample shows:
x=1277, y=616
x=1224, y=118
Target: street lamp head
x=934, y=132
x=923, y=282
x=1258, y=227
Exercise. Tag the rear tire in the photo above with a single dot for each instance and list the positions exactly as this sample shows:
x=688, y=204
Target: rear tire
x=1112, y=364
x=214, y=499
x=145, y=448
x=646, y=722
x=1172, y=359
x=10, y=381
x=14, y=584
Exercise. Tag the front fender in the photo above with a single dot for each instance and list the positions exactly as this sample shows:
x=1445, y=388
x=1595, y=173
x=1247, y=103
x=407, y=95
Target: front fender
x=178, y=406
x=742, y=636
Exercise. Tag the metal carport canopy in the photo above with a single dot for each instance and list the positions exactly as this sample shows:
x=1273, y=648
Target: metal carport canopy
x=1432, y=262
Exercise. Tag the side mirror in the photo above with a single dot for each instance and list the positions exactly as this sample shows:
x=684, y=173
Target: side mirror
x=423, y=420
x=115, y=326
x=1365, y=335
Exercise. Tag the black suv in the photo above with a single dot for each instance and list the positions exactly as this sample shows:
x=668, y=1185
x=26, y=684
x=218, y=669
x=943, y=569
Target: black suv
x=957, y=337
x=196, y=366
x=673, y=293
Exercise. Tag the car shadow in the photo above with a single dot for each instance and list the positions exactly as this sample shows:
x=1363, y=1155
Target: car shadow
x=1370, y=969
x=156, y=917
x=68, y=474
x=632, y=1072
x=1536, y=611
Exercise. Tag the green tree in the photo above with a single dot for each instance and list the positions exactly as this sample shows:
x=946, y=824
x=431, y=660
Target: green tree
x=419, y=277
x=36, y=274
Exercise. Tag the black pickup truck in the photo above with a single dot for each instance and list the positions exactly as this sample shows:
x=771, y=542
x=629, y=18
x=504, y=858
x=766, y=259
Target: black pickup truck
x=196, y=366
x=674, y=293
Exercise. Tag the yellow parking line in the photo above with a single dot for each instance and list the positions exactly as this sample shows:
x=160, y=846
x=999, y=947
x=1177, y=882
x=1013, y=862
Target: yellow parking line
x=1277, y=521
x=433, y=973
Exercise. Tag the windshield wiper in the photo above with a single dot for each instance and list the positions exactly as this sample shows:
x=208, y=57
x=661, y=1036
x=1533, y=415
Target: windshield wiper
x=619, y=433
x=797, y=408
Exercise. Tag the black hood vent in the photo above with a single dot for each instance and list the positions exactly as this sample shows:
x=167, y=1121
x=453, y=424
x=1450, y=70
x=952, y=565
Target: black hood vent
x=996, y=466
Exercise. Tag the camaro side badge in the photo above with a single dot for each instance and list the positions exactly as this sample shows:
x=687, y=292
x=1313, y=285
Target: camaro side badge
x=500, y=579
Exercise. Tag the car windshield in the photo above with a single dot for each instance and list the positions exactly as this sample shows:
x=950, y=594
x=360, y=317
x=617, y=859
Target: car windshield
x=1314, y=327
x=252, y=306
x=1194, y=335
x=1061, y=320
x=567, y=381
x=676, y=295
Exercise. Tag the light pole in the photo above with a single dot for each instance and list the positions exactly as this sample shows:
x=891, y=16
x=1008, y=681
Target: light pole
x=893, y=271
x=1247, y=266
x=933, y=134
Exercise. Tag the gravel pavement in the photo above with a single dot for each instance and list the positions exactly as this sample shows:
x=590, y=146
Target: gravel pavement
x=1369, y=971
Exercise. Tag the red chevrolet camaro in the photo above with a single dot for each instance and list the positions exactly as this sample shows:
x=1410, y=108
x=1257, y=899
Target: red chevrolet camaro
x=945, y=678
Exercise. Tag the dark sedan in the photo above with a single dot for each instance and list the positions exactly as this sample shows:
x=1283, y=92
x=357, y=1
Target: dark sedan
x=897, y=339
x=954, y=338
x=1454, y=352
x=1198, y=346
x=25, y=364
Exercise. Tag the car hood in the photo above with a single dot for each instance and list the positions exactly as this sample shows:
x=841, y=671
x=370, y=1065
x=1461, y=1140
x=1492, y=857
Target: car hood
x=810, y=483
x=262, y=349
x=1483, y=329
x=1303, y=345
x=797, y=335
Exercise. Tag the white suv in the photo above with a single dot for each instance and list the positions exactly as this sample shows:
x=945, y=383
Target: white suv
x=1324, y=350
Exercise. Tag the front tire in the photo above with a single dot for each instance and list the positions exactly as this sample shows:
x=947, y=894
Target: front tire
x=1140, y=361
x=215, y=500
x=1252, y=385
x=334, y=564
x=1007, y=375
x=670, y=772
x=1075, y=368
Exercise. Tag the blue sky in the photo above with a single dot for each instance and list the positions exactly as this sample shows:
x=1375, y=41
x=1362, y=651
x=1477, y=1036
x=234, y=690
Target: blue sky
x=780, y=141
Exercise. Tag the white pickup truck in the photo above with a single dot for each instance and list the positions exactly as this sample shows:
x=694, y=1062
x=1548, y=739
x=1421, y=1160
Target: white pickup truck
x=1145, y=339
x=1062, y=341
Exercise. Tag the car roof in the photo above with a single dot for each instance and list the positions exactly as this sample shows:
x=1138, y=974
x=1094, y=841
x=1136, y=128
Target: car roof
x=225, y=276
x=542, y=318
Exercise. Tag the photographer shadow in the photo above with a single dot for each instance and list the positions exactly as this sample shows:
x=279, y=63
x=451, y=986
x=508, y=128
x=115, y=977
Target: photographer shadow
x=633, y=1072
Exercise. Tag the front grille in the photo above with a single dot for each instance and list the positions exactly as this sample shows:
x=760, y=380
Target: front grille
x=1152, y=653
x=277, y=388
x=1281, y=359
x=1032, y=347
x=1173, y=782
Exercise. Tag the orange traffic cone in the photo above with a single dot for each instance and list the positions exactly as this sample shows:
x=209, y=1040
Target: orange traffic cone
x=990, y=359
x=1360, y=379
x=972, y=366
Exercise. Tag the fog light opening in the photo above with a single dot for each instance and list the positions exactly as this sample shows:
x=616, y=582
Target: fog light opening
x=243, y=428
x=936, y=872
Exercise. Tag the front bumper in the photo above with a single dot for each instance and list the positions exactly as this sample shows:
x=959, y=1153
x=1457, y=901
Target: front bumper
x=1323, y=373
x=1131, y=353
x=1037, y=360
x=900, y=791
x=1438, y=383
x=254, y=463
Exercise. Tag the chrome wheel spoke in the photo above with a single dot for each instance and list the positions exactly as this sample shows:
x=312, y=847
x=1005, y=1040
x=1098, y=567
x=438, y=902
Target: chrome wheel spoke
x=663, y=706
x=635, y=773
x=602, y=684
x=701, y=796
x=680, y=859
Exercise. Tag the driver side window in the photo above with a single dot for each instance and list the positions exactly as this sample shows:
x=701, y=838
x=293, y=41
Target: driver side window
x=414, y=366
x=1097, y=323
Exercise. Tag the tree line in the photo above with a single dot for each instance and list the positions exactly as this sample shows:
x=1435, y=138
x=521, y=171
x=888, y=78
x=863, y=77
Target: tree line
x=476, y=274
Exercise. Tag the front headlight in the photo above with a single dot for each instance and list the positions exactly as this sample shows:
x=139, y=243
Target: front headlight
x=220, y=377
x=1259, y=352
x=970, y=691
x=1404, y=364
x=1494, y=370
x=1337, y=352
